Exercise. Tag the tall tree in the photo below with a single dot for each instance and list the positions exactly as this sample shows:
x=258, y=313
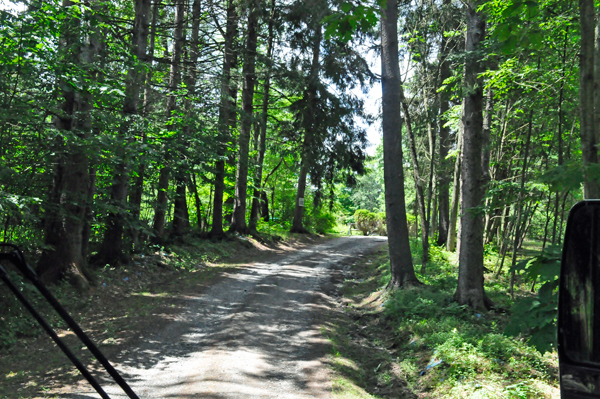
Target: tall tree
x=470, y=289
x=111, y=251
x=444, y=133
x=260, y=156
x=137, y=190
x=181, y=220
x=309, y=126
x=238, y=222
x=65, y=218
x=420, y=195
x=226, y=116
x=588, y=128
x=403, y=274
x=174, y=80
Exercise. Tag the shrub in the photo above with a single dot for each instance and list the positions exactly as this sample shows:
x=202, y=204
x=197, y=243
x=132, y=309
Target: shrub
x=323, y=222
x=368, y=222
x=381, y=224
x=536, y=316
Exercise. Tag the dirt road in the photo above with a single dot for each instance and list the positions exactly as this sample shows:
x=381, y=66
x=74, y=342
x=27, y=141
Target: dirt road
x=254, y=334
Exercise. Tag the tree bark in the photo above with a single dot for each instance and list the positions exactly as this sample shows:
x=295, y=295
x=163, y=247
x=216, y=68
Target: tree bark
x=309, y=127
x=430, y=185
x=65, y=220
x=193, y=187
x=444, y=132
x=434, y=206
x=181, y=220
x=470, y=289
x=518, y=231
x=487, y=129
x=135, y=194
x=588, y=129
x=111, y=251
x=402, y=271
x=260, y=157
x=418, y=182
x=181, y=216
x=89, y=213
x=226, y=115
x=597, y=80
x=174, y=80
x=451, y=242
x=238, y=222
x=297, y=224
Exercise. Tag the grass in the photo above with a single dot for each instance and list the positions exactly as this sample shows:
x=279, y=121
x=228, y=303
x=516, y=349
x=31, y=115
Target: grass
x=429, y=343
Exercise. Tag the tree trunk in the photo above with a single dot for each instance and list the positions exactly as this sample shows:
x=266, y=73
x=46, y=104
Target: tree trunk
x=65, y=220
x=451, y=242
x=430, y=184
x=547, y=219
x=444, y=168
x=264, y=206
x=297, y=225
x=518, y=231
x=434, y=205
x=597, y=82
x=589, y=139
x=174, y=79
x=181, y=220
x=470, y=289
x=260, y=157
x=111, y=251
x=402, y=271
x=418, y=183
x=308, y=126
x=238, y=222
x=89, y=213
x=193, y=187
x=135, y=195
x=181, y=216
x=487, y=128
x=226, y=115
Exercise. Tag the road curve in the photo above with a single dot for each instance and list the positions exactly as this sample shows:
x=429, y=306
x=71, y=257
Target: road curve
x=254, y=334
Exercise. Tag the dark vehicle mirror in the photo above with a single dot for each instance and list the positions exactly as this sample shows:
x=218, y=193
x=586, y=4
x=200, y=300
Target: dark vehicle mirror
x=579, y=304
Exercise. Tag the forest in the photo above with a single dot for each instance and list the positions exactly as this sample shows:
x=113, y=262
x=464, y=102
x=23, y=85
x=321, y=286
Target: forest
x=134, y=125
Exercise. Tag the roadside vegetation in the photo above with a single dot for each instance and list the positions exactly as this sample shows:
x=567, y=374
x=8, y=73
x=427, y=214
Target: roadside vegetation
x=420, y=343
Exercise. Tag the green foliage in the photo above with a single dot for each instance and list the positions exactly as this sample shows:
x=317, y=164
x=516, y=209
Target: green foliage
x=517, y=24
x=535, y=316
x=351, y=18
x=365, y=220
x=369, y=222
x=368, y=193
x=322, y=222
x=449, y=348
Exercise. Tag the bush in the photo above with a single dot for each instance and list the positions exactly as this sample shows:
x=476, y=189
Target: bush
x=381, y=224
x=323, y=222
x=369, y=222
x=536, y=316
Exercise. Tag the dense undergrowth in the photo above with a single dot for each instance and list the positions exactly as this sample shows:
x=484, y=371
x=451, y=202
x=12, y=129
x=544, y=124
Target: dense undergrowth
x=441, y=349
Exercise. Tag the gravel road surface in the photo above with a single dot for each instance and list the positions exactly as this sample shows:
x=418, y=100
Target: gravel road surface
x=254, y=334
